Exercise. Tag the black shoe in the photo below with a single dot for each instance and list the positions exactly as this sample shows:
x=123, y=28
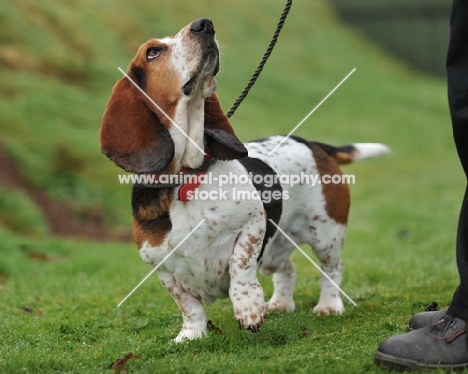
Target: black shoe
x=425, y=319
x=443, y=345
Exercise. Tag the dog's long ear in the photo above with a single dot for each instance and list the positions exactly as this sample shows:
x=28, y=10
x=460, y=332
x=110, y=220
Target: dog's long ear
x=131, y=134
x=222, y=143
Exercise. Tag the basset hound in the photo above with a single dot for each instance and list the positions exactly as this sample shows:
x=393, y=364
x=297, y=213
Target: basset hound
x=164, y=119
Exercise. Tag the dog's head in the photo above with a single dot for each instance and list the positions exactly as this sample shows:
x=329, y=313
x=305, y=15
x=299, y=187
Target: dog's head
x=166, y=98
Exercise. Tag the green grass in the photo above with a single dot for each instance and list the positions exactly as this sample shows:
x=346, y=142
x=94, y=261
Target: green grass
x=58, y=298
x=73, y=324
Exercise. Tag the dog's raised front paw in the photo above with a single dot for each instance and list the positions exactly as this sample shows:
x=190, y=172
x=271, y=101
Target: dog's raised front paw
x=250, y=317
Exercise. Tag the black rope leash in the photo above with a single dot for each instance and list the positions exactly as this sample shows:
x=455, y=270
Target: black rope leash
x=262, y=63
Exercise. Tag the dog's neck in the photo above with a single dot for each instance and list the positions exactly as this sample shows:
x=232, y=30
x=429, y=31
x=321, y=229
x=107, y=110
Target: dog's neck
x=189, y=117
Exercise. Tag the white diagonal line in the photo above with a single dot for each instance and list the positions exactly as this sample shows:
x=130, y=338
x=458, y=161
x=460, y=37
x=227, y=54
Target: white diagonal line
x=162, y=111
x=313, y=263
x=162, y=261
x=312, y=111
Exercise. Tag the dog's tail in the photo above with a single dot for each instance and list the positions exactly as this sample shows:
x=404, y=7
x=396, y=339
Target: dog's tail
x=346, y=154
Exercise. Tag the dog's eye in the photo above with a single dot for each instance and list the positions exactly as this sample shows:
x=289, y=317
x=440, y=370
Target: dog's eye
x=153, y=52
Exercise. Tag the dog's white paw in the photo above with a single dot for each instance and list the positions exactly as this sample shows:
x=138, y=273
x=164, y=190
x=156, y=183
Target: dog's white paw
x=187, y=334
x=280, y=306
x=332, y=305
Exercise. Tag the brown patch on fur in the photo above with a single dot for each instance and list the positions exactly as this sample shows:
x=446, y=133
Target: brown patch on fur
x=253, y=240
x=243, y=263
x=163, y=81
x=154, y=236
x=337, y=196
x=153, y=206
x=151, y=221
x=343, y=158
x=150, y=212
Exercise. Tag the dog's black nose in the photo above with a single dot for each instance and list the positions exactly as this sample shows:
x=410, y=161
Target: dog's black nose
x=202, y=26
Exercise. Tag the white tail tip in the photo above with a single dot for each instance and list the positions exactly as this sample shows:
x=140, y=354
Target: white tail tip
x=369, y=150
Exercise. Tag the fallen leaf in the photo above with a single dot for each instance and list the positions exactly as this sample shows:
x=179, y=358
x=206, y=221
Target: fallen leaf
x=212, y=327
x=118, y=365
x=28, y=309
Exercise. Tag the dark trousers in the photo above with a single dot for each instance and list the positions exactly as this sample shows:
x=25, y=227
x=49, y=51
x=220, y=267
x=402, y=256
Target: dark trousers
x=457, y=76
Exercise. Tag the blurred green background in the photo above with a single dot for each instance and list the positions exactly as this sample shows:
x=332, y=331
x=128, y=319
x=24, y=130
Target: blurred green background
x=59, y=61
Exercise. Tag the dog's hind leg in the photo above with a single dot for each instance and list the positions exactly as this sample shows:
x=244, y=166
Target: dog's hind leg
x=284, y=280
x=277, y=262
x=327, y=244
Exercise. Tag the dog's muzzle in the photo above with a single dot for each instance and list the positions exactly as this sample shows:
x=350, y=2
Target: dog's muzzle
x=209, y=64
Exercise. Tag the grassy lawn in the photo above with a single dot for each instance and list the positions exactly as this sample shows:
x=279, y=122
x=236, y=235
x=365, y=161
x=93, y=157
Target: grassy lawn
x=58, y=297
x=59, y=312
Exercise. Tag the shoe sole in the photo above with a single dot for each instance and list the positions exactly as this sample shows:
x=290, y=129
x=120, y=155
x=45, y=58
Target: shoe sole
x=386, y=362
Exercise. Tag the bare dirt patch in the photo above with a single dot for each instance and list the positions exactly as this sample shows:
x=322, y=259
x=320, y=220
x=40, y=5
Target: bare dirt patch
x=58, y=215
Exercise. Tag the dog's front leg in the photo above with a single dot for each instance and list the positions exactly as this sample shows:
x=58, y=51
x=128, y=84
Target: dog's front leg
x=245, y=291
x=193, y=311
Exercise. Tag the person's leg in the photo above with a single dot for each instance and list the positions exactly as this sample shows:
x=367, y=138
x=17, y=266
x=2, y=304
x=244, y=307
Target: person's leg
x=457, y=80
x=459, y=305
x=445, y=343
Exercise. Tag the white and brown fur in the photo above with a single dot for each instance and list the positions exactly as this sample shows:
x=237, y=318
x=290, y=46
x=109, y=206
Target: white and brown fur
x=222, y=257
